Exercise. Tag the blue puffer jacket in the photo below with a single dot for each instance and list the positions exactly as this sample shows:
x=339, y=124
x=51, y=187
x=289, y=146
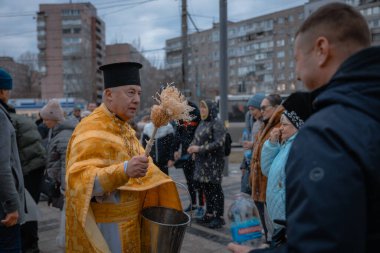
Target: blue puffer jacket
x=273, y=160
x=333, y=169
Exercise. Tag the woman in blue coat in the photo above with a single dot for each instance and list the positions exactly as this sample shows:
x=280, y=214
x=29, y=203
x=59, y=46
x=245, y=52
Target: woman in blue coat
x=276, y=150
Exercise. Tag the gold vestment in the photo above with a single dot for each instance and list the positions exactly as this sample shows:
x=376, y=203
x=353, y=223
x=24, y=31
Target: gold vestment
x=98, y=148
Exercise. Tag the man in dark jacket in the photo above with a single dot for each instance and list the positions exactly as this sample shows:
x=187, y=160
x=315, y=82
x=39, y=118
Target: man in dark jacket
x=33, y=162
x=12, y=202
x=333, y=177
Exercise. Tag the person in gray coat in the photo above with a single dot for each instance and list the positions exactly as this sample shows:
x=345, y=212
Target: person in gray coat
x=32, y=155
x=12, y=200
x=60, y=134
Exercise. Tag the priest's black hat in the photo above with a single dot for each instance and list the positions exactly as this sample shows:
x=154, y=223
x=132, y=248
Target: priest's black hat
x=120, y=74
x=298, y=107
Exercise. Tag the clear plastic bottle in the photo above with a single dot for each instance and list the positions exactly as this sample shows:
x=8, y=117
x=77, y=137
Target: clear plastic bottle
x=247, y=152
x=245, y=223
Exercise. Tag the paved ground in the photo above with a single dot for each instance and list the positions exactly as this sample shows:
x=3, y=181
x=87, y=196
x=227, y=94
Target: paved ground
x=197, y=238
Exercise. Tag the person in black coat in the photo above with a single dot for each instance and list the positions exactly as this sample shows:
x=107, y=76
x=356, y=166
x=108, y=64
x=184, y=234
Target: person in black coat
x=162, y=149
x=332, y=173
x=184, y=134
x=207, y=149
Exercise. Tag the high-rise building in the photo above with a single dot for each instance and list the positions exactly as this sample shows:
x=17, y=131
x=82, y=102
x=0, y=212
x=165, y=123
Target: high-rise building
x=71, y=43
x=260, y=51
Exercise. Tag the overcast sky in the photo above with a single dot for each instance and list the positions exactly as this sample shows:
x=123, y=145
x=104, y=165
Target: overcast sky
x=148, y=22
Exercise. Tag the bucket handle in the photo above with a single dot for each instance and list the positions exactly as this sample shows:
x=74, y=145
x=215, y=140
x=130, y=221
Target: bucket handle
x=188, y=193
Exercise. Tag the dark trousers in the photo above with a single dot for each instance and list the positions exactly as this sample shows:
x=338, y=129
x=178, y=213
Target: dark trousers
x=260, y=207
x=32, y=183
x=192, y=185
x=29, y=235
x=214, y=198
x=164, y=168
x=29, y=230
x=10, y=239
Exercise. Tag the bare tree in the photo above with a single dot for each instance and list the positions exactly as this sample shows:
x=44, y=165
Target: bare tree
x=29, y=85
x=78, y=74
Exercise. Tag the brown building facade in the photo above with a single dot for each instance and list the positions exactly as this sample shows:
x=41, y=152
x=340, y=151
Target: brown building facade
x=71, y=43
x=26, y=82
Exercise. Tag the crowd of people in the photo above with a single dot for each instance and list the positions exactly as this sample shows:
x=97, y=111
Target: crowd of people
x=310, y=162
x=321, y=165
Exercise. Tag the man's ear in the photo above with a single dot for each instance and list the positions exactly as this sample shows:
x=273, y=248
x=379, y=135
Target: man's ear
x=322, y=50
x=2, y=93
x=108, y=95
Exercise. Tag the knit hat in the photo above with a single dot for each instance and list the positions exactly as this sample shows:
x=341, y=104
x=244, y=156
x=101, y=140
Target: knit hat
x=53, y=111
x=255, y=100
x=5, y=80
x=298, y=107
x=120, y=74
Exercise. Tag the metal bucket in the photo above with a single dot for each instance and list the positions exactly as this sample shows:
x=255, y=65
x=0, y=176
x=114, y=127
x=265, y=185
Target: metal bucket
x=162, y=229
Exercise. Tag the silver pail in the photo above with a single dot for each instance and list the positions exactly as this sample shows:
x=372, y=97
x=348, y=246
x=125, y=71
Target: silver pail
x=162, y=229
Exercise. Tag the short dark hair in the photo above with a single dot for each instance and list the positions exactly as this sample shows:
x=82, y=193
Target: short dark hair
x=274, y=99
x=338, y=22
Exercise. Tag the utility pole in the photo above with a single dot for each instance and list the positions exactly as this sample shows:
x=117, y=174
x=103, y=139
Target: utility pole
x=223, y=68
x=184, y=46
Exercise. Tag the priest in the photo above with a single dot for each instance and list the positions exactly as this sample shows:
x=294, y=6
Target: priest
x=109, y=179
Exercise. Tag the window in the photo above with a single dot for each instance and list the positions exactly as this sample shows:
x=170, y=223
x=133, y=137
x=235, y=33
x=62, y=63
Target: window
x=376, y=10
x=280, y=54
x=280, y=43
x=69, y=12
x=41, y=33
x=281, y=65
x=41, y=23
x=71, y=22
x=268, y=78
x=69, y=41
x=71, y=50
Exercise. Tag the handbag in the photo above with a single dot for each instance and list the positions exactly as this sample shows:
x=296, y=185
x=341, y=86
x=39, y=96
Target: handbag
x=50, y=187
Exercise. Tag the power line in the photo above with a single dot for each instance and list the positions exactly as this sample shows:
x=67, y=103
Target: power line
x=192, y=21
x=127, y=7
x=103, y=6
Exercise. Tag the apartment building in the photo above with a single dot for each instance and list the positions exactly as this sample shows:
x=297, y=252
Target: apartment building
x=260, y=51
x=71, y=43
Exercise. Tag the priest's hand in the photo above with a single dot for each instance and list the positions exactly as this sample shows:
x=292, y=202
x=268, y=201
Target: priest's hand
x=137, y=166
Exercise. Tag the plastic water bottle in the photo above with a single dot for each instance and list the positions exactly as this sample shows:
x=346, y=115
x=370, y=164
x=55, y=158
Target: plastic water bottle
x=247, y=152
x=245, y=221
